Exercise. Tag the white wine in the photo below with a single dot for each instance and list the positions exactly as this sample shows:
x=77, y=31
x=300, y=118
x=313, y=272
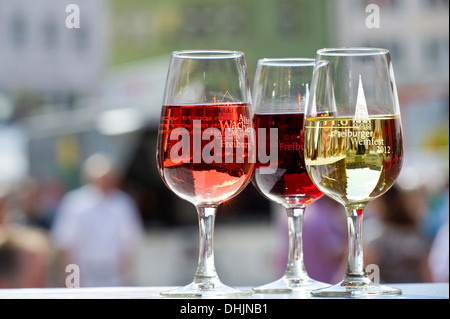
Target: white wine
x=353, y=160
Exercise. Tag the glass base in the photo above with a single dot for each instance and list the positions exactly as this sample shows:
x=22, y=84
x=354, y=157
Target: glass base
x=286, y=285
x=212, y=290
x=361, y=287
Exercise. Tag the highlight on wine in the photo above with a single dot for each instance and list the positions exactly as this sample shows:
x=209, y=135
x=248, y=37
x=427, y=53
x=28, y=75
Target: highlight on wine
x=215, y=135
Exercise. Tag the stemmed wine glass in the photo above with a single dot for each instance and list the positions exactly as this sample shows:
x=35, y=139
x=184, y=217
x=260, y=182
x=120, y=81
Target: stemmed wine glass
x=280, y=92
x=353, y=145
x=206, y=150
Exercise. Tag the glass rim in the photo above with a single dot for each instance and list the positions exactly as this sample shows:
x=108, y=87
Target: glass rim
x=207, y=54
x=287, y=61
x=352, y=51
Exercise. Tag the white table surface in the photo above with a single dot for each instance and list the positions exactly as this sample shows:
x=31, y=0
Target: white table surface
x=410, y=291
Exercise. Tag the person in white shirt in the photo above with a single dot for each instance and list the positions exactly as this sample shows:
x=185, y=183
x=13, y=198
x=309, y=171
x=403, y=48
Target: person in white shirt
x=98, y=228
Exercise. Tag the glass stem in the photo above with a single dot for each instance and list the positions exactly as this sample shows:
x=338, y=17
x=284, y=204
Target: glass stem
x=355, y=268
x=295, y=267
x=206, y=271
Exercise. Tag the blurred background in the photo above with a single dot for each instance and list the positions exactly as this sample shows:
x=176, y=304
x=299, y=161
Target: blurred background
x=67, y=93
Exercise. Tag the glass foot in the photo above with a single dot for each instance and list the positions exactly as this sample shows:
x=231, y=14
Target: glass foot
x=213, y=290
x=361, y=287
x=286, y=285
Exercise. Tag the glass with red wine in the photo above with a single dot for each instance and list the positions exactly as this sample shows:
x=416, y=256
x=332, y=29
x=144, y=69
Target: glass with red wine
x=206, y=147
x=280, y=93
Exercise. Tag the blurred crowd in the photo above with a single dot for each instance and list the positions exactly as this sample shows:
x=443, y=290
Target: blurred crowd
x=97, y=228
x=92, y=235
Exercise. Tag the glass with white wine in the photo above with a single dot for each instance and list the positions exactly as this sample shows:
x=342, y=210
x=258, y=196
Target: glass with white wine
x=353, y=145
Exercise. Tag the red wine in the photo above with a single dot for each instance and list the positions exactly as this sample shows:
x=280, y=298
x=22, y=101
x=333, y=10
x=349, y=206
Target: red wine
x=290, y=184
x=205, y=151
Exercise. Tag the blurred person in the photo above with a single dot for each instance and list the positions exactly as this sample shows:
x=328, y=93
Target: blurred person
x=439, y=259
x=5, y=195
x=393, y=237
x=25, y=258
x=325, y=240
x=97, y=227
x=9, y=263
x=438, y=201
x=29, y=205
x=439, y=255
x=25, y=252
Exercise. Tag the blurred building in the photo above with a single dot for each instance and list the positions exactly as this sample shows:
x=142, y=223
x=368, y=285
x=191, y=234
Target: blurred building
x=415, y=31
x=41, y=56
x=48, y=73
x=46, y=69
x=261, y=29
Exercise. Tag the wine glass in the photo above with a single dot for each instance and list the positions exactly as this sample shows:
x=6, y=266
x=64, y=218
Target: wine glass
x=353, y=145
x=206, y=150
x=280, y=93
